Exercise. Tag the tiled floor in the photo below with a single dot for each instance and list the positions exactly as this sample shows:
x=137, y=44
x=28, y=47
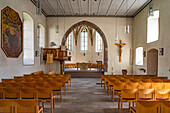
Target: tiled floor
x=84, y=96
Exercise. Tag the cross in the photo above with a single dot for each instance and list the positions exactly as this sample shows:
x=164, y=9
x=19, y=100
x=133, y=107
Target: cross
x=120, y=46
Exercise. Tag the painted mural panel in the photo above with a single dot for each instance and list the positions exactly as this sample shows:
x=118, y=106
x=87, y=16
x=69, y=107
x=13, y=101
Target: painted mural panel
x=11, y=33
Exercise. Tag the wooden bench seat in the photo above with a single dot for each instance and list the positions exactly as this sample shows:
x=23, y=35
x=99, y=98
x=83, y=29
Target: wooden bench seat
x=20, y=106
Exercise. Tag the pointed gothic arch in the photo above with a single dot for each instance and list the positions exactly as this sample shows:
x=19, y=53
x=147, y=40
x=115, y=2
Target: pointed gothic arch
x=64, y=39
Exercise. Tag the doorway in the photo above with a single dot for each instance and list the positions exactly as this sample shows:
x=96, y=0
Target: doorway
x=152, y=62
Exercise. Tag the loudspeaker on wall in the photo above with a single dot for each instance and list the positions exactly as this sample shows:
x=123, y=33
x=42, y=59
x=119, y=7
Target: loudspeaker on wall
x=161, y=51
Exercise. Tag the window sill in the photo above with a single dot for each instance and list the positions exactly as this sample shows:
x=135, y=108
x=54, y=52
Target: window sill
x=83, y=51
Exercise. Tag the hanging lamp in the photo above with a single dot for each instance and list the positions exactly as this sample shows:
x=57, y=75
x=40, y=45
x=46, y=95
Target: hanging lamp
x=116, y=35
x=57, y=26
x=126, y=26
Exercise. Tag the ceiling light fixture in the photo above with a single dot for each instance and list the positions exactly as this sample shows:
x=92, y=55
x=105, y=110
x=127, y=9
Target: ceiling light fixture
x=126, y=26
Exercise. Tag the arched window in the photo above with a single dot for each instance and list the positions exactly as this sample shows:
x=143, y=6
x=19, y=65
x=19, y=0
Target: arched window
x=98, y=42
x=41, y=36
x=139, y=56
x=70, y=42
x=153, y=27
x=28, y=38
x=84, y=40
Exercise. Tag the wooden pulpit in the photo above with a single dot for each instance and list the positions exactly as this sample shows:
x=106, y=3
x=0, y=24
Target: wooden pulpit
x=59, y=54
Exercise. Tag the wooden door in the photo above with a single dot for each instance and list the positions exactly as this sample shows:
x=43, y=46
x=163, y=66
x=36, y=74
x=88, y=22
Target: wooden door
x=148, y=107
x=152, y=62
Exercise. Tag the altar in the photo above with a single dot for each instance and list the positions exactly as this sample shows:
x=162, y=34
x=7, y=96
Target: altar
x=83, y=66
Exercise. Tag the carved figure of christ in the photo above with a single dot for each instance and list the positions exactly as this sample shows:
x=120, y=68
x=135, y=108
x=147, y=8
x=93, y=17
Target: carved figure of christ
x=120, y=46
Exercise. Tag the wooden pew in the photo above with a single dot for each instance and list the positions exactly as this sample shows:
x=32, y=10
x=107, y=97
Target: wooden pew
x=46, y=95
x=20, y=106
x=152, y=106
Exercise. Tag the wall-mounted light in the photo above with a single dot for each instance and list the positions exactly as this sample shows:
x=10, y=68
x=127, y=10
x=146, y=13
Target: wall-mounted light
x=161, y=51
x=127, y=29
x=98, y=53
x=144, y=53
x=38, y=7
x=150, y=10
x=37, y=53
x=84, y=54
x=70, y=53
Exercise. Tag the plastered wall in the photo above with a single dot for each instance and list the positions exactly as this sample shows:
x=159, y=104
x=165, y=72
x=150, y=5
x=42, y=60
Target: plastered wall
x=108, y=26
x=10, y=67
x=140, y=37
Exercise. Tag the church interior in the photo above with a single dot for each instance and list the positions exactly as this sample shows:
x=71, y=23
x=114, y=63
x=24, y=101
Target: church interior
x=85, y=56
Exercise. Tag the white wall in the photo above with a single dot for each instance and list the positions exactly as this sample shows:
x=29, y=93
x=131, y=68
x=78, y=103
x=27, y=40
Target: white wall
x=140, y=36
x=107, y=25
x=10, y=67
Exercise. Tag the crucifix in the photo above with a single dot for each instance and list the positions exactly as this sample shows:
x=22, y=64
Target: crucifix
x=120, y=46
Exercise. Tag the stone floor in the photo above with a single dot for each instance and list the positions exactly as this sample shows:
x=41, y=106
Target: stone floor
x=85, y=96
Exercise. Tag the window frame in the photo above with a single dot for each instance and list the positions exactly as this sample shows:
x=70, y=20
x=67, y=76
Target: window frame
x=70, y=42
x=33, y=48
x=158, y=20
x=98, y=39
x=40, y=35
x=85, y=40
x=136, y=59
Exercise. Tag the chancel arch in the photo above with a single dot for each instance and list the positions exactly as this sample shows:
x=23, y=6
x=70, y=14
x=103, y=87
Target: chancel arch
x=78, y=26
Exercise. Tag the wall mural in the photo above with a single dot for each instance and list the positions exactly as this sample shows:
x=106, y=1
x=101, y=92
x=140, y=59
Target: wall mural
x=11, y=33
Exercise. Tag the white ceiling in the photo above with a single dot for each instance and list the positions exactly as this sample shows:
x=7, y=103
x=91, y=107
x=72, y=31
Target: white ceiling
x=92, y=7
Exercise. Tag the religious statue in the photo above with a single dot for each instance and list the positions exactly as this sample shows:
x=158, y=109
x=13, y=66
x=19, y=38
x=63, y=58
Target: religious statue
x=120, y=46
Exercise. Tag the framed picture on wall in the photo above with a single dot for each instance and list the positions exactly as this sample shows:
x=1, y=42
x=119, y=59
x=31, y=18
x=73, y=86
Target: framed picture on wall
x=11, y=33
